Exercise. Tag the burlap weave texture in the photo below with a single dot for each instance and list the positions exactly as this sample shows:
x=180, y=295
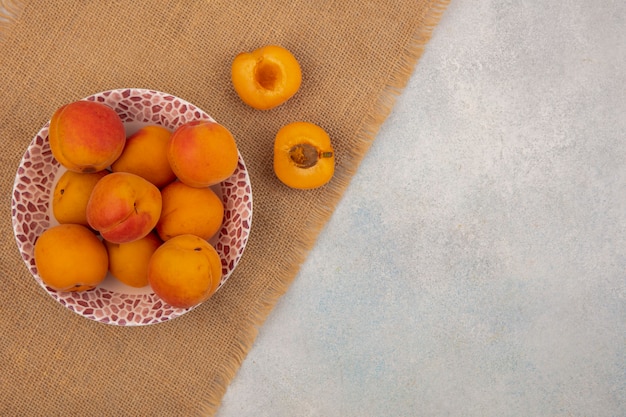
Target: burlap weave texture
x=355, y=56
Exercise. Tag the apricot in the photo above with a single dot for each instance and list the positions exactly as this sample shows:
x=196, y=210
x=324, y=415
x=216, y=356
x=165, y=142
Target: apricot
x=71, y=195
x=185, y=271
x=189, y=210
x=202, y=153
x=266, y=77
x=124, y=207
x=86, y=136
x=145, y=154
x=69, y=257
x=303, y=156
x=128, y=262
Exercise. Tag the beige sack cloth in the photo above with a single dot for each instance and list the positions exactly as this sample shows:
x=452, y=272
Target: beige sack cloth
x=356, y=56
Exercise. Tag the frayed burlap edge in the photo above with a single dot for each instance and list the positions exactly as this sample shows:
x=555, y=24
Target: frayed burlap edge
x=334, y=191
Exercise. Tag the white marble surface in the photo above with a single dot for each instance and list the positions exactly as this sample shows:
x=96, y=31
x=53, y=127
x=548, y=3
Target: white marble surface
x=477, y=264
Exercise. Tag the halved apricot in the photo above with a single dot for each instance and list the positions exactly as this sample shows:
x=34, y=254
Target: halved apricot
x=303, y=156
x=266, y=77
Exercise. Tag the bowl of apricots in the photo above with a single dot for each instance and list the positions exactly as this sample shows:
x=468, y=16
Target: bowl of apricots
x=131, y=206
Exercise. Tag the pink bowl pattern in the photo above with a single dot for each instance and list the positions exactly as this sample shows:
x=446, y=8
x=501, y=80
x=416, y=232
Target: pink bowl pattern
x=33, y=190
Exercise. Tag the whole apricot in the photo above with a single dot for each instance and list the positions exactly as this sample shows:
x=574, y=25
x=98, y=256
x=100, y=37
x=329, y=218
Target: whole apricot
x=266, y=77
x=185, y=271
x=128, y=262
x=145, y=154
x=124, y=207
x=86, y=136
x=69, y=257
x=71, y=195
x=303, y=156
x=202, y=153
x=189, y=210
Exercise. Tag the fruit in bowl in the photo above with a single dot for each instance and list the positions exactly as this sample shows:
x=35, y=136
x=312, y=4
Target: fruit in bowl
x=189, y=210
x=69, y=257
x=86, y=136
x=185, y=271
x=122, y=297
x=71, y=195
x=124, y=207
x=202, y=153
x=145, y=154
x=128, y=262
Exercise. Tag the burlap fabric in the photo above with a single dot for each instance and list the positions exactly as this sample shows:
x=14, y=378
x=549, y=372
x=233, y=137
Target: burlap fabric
x=355, y=56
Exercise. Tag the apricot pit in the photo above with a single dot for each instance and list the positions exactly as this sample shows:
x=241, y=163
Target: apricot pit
x=303, y=156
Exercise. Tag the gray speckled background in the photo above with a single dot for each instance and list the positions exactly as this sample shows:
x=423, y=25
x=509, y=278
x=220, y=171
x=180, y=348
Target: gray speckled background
x=477, y=264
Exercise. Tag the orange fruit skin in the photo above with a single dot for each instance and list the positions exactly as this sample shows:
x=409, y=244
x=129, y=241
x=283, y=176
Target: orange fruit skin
x=145, y=154
x=71, y=195
x=288, y=171
x=185, y=271
x=86, y=136
x=69, y=257
x=266, y=77
x=193, y=210
x=202, y=153
x=124, y=207
x=128, y=262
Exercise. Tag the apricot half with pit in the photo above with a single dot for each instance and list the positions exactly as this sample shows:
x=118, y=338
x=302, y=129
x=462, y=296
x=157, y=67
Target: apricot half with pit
x=266, y=77
x=303, y=156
